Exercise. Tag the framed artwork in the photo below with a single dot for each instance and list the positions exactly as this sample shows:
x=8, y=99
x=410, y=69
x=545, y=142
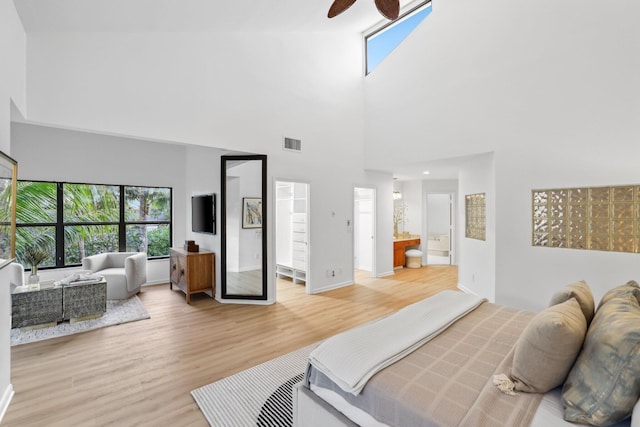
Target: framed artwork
x=251, y=212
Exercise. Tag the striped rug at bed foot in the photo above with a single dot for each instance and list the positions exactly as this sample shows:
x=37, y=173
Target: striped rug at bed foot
x=259, y=396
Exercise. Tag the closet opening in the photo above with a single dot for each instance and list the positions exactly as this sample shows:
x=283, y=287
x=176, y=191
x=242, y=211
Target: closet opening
x=292, y=231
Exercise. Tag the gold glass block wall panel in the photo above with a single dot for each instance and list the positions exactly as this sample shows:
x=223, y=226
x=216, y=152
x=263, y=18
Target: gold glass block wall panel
x=597, y=218
x=476, y=212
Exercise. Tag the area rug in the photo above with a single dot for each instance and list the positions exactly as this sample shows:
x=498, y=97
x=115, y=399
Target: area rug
x=118, y=311
x=259, y=396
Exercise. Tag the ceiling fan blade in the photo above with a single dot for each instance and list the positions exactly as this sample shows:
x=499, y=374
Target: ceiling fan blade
x=339, y=6
x=390, y=9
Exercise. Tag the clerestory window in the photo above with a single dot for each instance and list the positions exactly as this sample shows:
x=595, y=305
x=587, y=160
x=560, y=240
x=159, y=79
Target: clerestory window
x=381, y=42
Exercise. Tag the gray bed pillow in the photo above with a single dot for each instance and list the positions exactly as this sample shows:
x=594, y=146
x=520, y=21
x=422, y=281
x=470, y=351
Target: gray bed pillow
x=604, y=384
x=582, y=293
x=548, y=347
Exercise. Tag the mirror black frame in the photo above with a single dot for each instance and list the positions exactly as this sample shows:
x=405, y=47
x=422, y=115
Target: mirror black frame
x=223, y=205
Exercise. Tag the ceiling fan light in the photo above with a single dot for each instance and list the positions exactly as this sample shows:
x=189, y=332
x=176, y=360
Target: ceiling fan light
x=390, y=9
x=339, y=6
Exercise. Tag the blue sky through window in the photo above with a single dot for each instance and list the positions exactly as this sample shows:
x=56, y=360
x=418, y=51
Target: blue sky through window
x=381, y=43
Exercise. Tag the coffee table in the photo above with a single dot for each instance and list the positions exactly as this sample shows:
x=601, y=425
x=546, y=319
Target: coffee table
x=36, y=305
x=84, y=300
x=51, y=302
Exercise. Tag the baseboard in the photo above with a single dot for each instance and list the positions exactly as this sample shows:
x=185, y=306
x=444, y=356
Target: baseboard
x=466, y=290
x=332, y=287
x=246, y=301
x=386, y=273
x=251, y=268
x=6, y=399
x=156, y=282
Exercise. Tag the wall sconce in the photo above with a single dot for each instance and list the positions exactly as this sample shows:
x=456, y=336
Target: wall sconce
x=397, y=195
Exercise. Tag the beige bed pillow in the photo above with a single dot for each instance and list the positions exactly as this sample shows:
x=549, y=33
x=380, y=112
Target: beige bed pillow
x=604, y=384
x=582, y=293
x=548, y=347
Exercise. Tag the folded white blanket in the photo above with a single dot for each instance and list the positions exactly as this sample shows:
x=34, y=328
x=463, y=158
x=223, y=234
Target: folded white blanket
x=80, y=277
x=349, y=359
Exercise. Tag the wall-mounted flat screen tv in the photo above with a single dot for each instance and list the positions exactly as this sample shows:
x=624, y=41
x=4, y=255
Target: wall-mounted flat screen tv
x=203, y=213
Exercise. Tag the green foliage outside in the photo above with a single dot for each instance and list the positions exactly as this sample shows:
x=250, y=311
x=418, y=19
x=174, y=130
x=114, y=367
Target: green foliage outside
x=86, y=203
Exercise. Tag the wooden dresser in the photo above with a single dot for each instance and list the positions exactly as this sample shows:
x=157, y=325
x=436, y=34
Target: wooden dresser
x=400, y=246
x=192, y=272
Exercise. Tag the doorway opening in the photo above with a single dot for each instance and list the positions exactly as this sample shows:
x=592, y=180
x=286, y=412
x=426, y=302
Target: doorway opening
x=440, y=230
x=364, y=235
x=292, y=231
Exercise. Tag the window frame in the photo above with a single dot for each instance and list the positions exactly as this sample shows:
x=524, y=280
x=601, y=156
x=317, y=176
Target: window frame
x=122, y=223
x=386, y=25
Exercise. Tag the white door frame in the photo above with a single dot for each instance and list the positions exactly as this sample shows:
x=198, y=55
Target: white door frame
x=452, y=222
x=374, y=263
x=275, y=232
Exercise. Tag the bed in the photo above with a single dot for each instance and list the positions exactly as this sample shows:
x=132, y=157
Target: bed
x=481, y=365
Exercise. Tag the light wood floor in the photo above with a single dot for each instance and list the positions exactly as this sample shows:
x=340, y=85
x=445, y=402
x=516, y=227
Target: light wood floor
x=141, y=373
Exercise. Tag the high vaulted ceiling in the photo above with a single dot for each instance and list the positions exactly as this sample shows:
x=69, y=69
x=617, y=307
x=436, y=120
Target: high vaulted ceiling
x=194, y=15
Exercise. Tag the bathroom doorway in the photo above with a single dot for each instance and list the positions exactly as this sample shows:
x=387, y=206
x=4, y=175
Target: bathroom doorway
x=364, y=202
x=440, y=230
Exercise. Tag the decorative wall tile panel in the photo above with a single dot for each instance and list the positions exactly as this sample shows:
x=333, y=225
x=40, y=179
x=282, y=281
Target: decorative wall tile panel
x=622, y=244
x=558, y=240
x=599, y=226
x=597, y=218
x=599, y=211
x=623, y=227
x=539, y=197
x=578, y=241
x=579, y=195
x=623, y=210
x=622, y=194
x=600, y=242
x=578, y=227
x=558, y=226
x=599, y=195
x=540, y=239
x=578, y=211
x=475, y=209
x=541, y=226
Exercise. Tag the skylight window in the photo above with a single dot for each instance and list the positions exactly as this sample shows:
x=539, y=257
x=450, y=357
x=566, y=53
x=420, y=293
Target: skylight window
x=382, y=41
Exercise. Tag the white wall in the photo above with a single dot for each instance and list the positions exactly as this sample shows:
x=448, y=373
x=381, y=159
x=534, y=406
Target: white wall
x=528, y=276
x=240, y=92
x=50, y=154
x=477, y=258
x=202, y=168
x=412, y=197
x=13, y=56
x=501, y=76
x=384, y=184
x=12, y=90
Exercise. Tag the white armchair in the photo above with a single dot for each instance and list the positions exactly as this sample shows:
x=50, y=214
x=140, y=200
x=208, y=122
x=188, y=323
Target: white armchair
x=16, y=275
x=125, y=272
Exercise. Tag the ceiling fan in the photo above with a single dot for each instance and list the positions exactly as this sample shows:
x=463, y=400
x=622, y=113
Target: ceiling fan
x=390, y=9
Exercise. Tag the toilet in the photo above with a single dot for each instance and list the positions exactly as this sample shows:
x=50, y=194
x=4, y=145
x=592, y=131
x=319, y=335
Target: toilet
x=414, y=258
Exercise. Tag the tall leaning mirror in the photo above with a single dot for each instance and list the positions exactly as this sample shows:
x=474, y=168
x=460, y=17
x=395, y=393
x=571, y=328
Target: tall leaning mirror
x=244, y=243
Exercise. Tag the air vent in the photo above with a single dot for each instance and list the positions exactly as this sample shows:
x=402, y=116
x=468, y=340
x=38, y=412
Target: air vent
x=291, y=144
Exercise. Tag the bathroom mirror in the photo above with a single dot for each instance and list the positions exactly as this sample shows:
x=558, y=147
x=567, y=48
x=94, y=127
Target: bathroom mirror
x=244, y=243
